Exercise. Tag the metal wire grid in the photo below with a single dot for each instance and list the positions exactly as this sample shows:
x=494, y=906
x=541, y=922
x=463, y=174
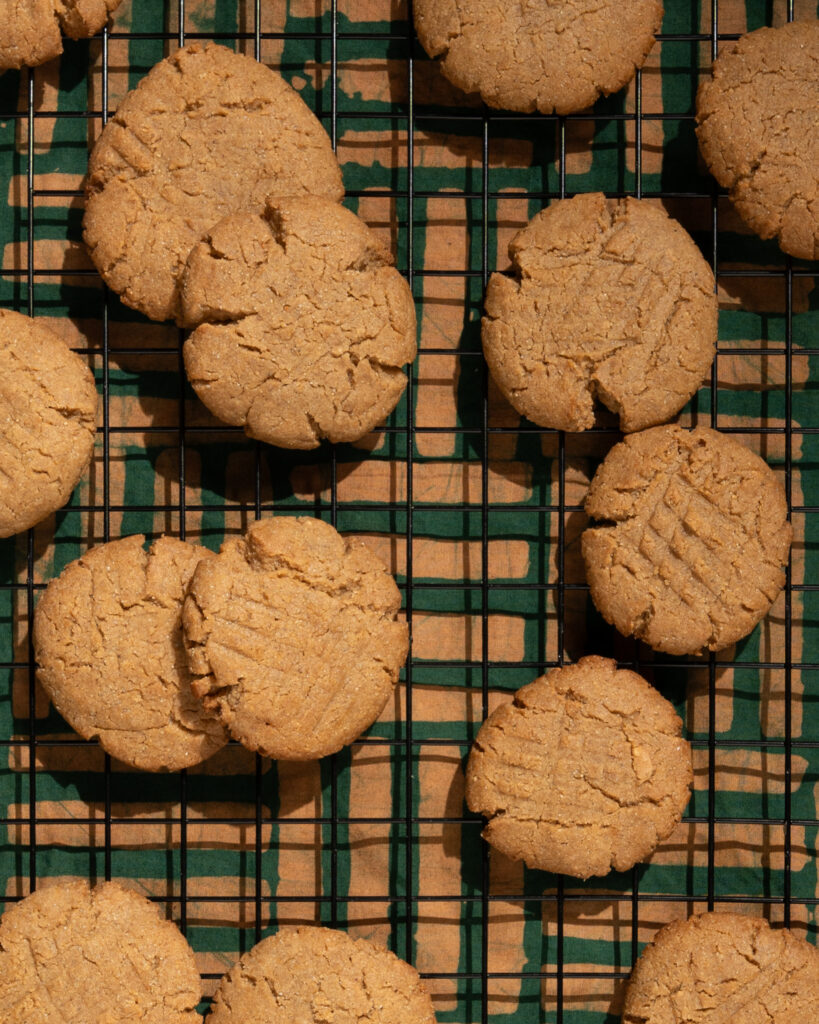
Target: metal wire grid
x=406, y=748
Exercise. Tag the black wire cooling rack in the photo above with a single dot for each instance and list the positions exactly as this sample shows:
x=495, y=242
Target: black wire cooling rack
x=553, y=973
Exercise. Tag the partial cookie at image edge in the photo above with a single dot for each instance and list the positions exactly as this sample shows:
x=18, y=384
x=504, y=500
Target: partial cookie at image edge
x=49, y=407
x=548, y=57
x=68, y=942
x=317, y=974
x=728, y=961
x=31, y=34
x=756, y=126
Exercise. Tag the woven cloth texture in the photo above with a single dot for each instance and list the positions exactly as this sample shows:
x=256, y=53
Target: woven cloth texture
x=478, y=513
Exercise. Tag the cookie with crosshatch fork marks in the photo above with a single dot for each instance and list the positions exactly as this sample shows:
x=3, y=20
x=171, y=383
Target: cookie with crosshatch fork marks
x=317, y=976
x=722, y=968
x=292, y=637
x=611, y=299
x=692, y=539
x=585, y=771
x=77, y=955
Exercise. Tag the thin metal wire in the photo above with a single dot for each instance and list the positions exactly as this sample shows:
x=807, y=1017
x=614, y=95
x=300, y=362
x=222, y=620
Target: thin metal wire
x=406, y=748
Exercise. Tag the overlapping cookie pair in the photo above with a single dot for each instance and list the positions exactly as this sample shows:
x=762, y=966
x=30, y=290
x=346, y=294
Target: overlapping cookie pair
x=287, y=640
x=213, y=200
x=69, y=943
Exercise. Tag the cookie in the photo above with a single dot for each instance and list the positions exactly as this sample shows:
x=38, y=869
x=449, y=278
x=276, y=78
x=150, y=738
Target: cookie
x=610, y=299
x=77, y=955
x=108, y=642
x=48, y=412
x=694, y=539
x=716, y=968
x=317, y=975
x=584, y=772
x=305, y=324
x=206, y=133
x=756, y=125
x=542, y=56
x=30, y=30
x=292, y=638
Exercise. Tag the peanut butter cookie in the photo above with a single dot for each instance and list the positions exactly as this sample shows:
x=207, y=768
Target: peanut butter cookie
x=611, y=299
x=48, y=412
x=720, y=968
x=539, y=56
x=757, y=132
x=584, y=772
x=30, y=29
x=108, y=641
x=292, y=638
x=693, y=541
x=316, y=975
x=206, y=133
x=77, y=955
x=305, y=324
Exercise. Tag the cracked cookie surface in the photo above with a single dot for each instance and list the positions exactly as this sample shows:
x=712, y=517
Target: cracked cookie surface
x=76, y=955
x=108, y=642
x=611, y=299
x=320, y=976
x=292, y=636
x=551, y=55
x=757, y=132
x=48, y=410
x=720, y=968
x=30, y=30
x=584, y=772
x=695, y=539
x=305, y=324
x=206, y=133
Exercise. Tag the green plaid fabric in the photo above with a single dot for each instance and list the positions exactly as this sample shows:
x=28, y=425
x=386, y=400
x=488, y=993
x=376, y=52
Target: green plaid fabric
x=478, y=513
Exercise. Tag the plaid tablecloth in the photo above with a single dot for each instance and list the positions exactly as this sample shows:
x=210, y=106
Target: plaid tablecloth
x=478, y=513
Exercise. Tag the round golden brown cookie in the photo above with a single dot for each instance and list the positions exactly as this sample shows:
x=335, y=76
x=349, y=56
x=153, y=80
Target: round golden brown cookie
x=30, y=30
x=720, y=968
x=76, y=955
x=317, y=975
x=48, y=411
x=611, y=299
x=108, y=642
x=757, y=132
x=694, y=538
x=291, y=632
x=206, y=133
x=539, y=56
x=305, y=325
x=584, y=772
